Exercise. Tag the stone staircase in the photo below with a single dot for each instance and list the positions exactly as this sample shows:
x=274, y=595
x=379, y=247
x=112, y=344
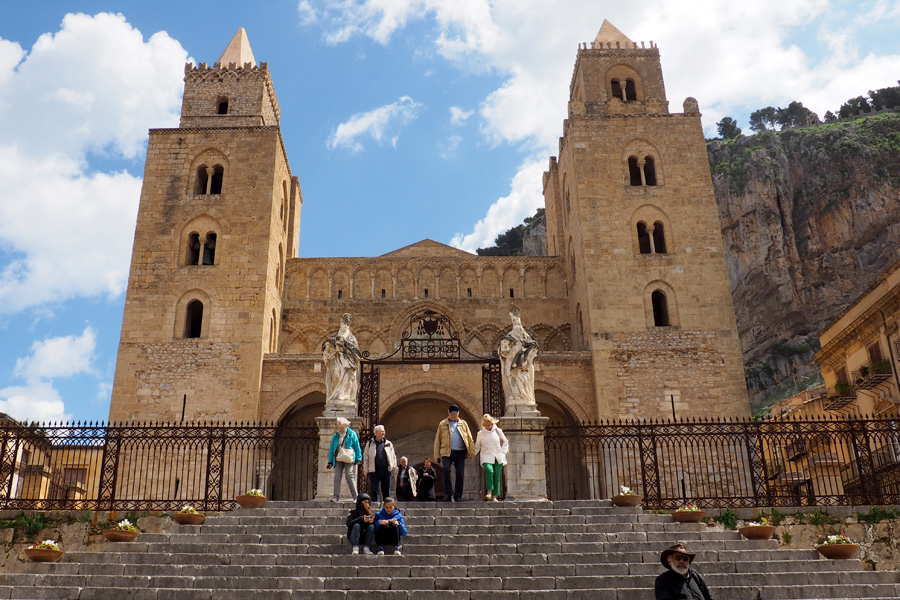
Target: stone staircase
x=569, y=550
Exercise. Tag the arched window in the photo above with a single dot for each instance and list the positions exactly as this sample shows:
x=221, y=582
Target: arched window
x=383, y=292
x=222, y=106
x=634, y=171
x=215, y=186
x=273, y=332
x=279, y=276
x=193, y=319
x=202, y=180
x=630, y=91
x=643, y=238
x=660, y=309
x=209, y=249
x=649, y=171
x=617, y=89
x=193, y=249
x=659, y=237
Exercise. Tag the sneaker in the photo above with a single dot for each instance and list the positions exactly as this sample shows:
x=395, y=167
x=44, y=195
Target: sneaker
x=487, y=497
x=355, y=550
x=397, y=551
x=448, y=498
x=335, y=499
x=495, y=499
x=380, y=551
x=367, y=550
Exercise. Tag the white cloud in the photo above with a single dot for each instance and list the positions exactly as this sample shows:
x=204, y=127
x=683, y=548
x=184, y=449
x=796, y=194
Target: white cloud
x=308, y=14
x=374, y=124
x=35, y=402
x=448, y=149
x=95, y=86
x=459, y=116
x=59, y=357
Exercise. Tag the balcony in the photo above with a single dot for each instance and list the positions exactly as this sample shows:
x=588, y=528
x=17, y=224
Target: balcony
x=886, y=457
x=796, y=449
x=850, y=475
x=838, y=396
x=871, y=374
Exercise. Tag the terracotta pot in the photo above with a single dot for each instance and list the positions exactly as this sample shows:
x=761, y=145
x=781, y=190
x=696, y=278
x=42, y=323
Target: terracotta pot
x=250, y=501
x=836, y=551
x=757, y=532
x=688, y=516
x=188, y=518
x=43, y=555
x=627, y=500
x=119, y=535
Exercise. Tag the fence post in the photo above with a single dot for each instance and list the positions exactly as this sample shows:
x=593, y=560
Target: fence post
x=649, y=467
x=10, y=452
x=109, y=469
x=868, y=477
x=757, y=464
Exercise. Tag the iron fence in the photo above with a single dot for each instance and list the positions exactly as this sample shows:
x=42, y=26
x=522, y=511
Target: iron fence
x=728, y=464
x=153, y=466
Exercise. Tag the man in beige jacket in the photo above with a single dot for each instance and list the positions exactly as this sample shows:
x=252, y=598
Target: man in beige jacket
x=453, y=443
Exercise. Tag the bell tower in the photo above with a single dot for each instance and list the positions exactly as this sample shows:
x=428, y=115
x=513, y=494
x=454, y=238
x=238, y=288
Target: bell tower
x=631, y=208
x=219, y=215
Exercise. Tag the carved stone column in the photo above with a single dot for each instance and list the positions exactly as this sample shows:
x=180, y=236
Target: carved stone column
x=526, y=477
x=325, y=477
x=263, y=472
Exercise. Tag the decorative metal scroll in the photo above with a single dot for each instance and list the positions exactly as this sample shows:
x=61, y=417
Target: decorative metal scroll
x=368, y=400
x=430, y=335
x=493, y=400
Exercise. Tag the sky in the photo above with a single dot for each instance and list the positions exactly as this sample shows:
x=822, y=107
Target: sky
x=403, y=119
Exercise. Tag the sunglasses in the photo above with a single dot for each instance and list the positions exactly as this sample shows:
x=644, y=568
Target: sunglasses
x=681, y=558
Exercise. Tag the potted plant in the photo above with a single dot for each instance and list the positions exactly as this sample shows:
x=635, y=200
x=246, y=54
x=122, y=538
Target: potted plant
x=626, y=497
x=123, y=531
x=843, y=389
x=882, y=367
x=188, y=515
x=757, y=530
x=252, y=499
x=837, y=547
x=688, y=513
x=46, y=551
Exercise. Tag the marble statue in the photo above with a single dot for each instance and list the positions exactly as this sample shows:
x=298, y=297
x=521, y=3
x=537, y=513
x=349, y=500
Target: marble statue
x=517, y=352
x=342, y=360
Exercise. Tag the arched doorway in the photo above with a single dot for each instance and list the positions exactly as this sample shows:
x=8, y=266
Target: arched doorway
x=294, y=450
x=568, y=465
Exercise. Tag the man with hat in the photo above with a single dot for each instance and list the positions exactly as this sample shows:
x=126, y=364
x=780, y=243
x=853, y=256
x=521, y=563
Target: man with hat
x=680, y=581
x=453, y=443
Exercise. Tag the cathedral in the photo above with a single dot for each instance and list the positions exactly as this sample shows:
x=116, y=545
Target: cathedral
x=630, y=306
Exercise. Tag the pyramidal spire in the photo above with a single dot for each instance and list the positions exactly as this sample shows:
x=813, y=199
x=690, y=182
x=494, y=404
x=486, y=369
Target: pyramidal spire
x=609, y=33
x=238, y=50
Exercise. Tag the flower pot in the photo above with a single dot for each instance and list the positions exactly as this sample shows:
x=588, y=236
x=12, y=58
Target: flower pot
x=757, y=532
x=836, y=551
x=688, y=516
x=43, y=555
x=188, y=518
x=250, y=501
x=627, y=500
x=119, y=535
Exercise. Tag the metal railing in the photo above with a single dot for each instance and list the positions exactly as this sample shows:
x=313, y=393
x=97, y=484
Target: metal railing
x=153, y=466
x=728, y=464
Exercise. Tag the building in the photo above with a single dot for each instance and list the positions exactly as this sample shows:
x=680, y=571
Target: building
x=631, y=306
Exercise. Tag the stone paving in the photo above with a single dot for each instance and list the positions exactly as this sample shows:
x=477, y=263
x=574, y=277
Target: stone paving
x=570, y=550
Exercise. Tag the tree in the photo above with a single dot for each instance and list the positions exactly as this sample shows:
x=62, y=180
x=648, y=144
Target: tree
x=796, y=115
x=763, y=119
x=830, y=117
x=855, y=106
x=885, y=97
x=728, y=129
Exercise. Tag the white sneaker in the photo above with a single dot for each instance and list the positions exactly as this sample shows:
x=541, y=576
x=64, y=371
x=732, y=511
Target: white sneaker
x=367, y=550
x=355, y=550
x=397, y=551
x=380, y=551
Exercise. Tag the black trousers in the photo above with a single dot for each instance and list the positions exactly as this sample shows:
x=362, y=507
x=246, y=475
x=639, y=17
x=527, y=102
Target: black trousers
x=380, y=479
x=457, y=458
x=387, y=535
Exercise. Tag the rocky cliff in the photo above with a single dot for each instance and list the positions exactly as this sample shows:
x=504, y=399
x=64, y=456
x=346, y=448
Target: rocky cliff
x=810, y=218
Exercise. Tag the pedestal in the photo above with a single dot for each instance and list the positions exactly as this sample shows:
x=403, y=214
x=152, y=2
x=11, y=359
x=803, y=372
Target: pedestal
x=526, y=476
x=325, y=477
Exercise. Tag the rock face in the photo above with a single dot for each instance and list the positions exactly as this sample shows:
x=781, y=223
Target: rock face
x=810, y=219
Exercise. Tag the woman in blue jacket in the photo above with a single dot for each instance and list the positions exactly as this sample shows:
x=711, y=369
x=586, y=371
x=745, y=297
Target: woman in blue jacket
x=343, y=455
x=390, y=528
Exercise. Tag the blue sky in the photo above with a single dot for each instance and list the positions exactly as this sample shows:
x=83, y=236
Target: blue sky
x=403, y=119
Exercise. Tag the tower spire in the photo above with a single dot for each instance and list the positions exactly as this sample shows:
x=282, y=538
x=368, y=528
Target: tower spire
x=238, y=50
x=610, y=33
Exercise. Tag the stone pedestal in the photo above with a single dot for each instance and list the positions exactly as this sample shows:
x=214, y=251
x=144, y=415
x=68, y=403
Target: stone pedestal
x=325, y=477
x=526, y=477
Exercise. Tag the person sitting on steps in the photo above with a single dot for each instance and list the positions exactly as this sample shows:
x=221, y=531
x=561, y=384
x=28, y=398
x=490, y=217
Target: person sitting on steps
x=361, y=525
x=390, y=528
x=680, y=580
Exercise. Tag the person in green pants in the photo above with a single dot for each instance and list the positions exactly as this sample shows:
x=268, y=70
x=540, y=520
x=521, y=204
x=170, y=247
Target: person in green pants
x=494, y=447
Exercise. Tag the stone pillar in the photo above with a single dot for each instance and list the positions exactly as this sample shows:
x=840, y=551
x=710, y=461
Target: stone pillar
x=325, y=477
x=526, y=476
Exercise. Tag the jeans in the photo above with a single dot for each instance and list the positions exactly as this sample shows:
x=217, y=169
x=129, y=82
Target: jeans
x=349, y=472
x=492, y=473
x=457, y=458
x=384, y=479
x=388, y=535
x=366, y=530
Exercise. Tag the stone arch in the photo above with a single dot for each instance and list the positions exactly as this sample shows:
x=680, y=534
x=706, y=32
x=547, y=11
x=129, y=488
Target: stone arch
x=426, y=284
x=182, y=316
x=372, y=341
x=649, y=215
x=629, y=80
x=384, y=281
x=534, y=283
x=209, y=158
x=556, y=282
x=468, y=280
x=512, y=282
x=340, y=284
x=558, y=396
x=490, y=283
x=634, y=155
x=295, y=451
x=202, y=226
x=296, y=343
x=401, y=321
x=406, y=284
x=448, y=284
x=362, y=284
x=318, y=284
x=671, y=304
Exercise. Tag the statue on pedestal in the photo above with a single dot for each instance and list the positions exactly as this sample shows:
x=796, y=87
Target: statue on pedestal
x=517, y=352
x=342, y=360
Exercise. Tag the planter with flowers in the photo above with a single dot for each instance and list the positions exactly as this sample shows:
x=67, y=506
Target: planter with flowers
x=626, y=497
x=689, y=514
x=837, y=547
x=757, y=530
x=123, y=531
x=46, y=551
x=252, y=499
x=188, y=515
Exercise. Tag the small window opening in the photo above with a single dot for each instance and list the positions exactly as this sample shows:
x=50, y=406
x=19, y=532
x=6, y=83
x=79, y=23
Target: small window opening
x=630, y=91
x=512, y=293
x=469, y=292
x=617, y=89
x=215, y=186
x=193, y=319
x=426, y=292
x=383, y=293
x=643, y=238
x=660, y=309
x=193, y=249
x=202, y=180
x=649, y=171
x=874, y=350
x=340, y=294
x=209, y=249
x=634, y=171
x=659, y=238
x=222, y=106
